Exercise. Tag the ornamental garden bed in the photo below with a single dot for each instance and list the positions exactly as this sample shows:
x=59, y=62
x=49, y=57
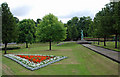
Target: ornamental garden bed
x=34, y=61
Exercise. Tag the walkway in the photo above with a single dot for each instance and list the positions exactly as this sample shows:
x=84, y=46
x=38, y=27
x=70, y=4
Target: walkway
x=113, y=55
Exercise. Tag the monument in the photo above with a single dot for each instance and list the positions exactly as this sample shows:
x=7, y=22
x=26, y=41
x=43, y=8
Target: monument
x=82, y=41
x=81, y=34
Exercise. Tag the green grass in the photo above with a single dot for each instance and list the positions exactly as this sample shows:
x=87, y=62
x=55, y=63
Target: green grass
x=109, y=45
x=80, y=61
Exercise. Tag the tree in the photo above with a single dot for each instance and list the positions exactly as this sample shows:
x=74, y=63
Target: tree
x=75, y=25
x=74, y=32
x=116, y=17
x=17, y=20
x=50, y=29
x=72, y=29
x=112, y=19
x=83, y=24
x=105, y=22
x=96, y=29
x=38, y=21
x=91, y=28
x=108, y=21
x=68, y=32
x=26, y=31
x=9, y=28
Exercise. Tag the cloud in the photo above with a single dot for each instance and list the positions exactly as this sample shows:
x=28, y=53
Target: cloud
x=21, y=11
x=78, y=14
x=63, y=9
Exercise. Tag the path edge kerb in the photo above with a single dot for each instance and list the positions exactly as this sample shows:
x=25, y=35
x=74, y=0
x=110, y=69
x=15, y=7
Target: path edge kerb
x=103, y=54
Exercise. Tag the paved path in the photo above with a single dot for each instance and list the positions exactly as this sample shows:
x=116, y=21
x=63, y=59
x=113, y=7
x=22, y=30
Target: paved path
x=113, y=55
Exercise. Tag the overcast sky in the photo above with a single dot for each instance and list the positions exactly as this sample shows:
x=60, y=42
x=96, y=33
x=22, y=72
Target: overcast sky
x=63, y=9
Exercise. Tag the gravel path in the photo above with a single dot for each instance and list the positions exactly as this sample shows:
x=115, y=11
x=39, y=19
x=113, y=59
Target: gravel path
x=113, y=55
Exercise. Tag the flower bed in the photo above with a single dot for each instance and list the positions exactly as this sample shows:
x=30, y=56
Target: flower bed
x=34, y=61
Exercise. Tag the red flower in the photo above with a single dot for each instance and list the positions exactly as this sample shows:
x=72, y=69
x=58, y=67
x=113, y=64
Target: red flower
x=35, y=59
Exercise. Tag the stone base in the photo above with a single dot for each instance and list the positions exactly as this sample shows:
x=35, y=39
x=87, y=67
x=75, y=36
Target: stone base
x=83, y=42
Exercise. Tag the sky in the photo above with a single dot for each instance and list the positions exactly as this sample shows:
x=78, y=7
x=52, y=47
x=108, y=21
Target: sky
x=63, y=9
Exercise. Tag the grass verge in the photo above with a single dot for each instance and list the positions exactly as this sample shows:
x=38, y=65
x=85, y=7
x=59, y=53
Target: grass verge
x=80, y=61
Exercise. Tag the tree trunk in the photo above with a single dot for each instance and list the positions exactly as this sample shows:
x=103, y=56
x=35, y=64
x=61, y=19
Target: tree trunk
x=116, y=35
x=104, y=41
x=26, y=45
x=50, y=45
x=5, y=48
x=94, y=41
x=98, y=41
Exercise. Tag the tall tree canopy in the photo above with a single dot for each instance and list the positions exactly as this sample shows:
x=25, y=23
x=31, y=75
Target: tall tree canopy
x=75, y=25
x=83, y=24
x=17, y=20
x=108, y=21
x=9, y=28
x=72, y=32
x=50, y=29
x=38, y=21
x=26, y=31
x=116, y=20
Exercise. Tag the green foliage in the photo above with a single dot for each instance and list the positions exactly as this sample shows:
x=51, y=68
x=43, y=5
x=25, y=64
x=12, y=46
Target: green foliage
x=51, y=29
x=26, y=31
x=107, y=21
x=83, y=24
x=116, y=17
x=16, y=19
x=9, y=32
x=38, y=21
x=75, y=25
x=9, y=28
x=72, y=32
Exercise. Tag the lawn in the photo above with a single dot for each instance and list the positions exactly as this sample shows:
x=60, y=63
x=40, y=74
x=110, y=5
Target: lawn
x=80, y=61
x=109, y=45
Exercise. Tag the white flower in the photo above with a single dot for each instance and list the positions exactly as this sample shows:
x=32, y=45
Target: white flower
x=38, y=64
x=51, y=59
x=58, y=56
x=55, y=58
x=41, y=62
